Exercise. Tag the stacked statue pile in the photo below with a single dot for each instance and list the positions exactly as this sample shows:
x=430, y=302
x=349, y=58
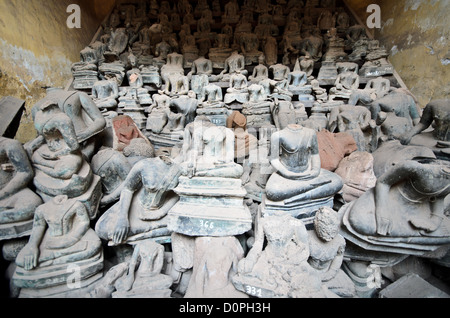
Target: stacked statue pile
x=210, y=149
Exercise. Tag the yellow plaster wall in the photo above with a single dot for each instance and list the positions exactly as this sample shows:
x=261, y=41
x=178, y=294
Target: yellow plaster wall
x=37, y=48
x=416, y=32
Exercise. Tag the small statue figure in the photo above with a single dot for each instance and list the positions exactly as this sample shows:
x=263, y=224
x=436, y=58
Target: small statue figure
x=144, y=277
x=260, y=71
x=112, y=167
x=238, y=90
x=61, y=236
x=60, y=168
x=231, y=12
x=105, y=93
x=355, y=33
x=356, y=171
x=326, y=20
x=299, y=178
x=279, y=268
x=335, y=47
x=208, y=156
x=203, y=66
x=326, y=248
x=215, y=264
x=355, y=120
x=283, y=114
x=258, y=107
x=244, y=141
x=233, y=63
x=346, y=83
x=249, y=45
x=280, y=81
x=399, y=110
x=213, y=97
x=313, y=44
x=374, y=89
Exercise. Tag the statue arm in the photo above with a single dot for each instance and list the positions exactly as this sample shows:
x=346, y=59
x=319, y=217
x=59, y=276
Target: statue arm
x=210, y=68
x=356, y=83
x=28, y=257
x=246, y=265
x=193, y=71
x=159, y=259
x=335, y=265
x=115, y=90
x=398, y=173
x=367, y=117
x=275, y=146
x=22, y=167
x=131, y=184
x=34, y=144
x=94, y=92
x=67, y=130
x=425, y=121
x=229, y=144
x=99, y=122
x=333, y=119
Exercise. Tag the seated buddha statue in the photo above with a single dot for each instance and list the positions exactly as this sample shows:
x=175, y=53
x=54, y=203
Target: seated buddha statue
x=61, y=236
x=60, y=167
x=299, y=180
x=145, y=200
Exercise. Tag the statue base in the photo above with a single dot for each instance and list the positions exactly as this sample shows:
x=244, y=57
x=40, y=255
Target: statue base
x=303, y=210
x=210, y=206
x=217, y=116
x=15, y=230
x=58, y=280
x=165, y=139
x=328, y=74
x=370, y=69
x=84, y=79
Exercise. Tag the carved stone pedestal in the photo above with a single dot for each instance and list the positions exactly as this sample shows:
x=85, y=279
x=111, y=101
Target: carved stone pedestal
x=210, y=206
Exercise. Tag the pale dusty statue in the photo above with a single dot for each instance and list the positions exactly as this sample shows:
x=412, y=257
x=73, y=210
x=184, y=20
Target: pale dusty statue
x=279, y=269
x=144, y=278
x=327, y=247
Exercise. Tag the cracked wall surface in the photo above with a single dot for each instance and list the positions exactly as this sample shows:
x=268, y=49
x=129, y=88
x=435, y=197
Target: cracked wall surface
x=416, y=33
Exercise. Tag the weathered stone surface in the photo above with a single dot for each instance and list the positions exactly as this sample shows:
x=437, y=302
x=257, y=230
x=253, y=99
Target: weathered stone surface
x=412, y=286
x=43, y=262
